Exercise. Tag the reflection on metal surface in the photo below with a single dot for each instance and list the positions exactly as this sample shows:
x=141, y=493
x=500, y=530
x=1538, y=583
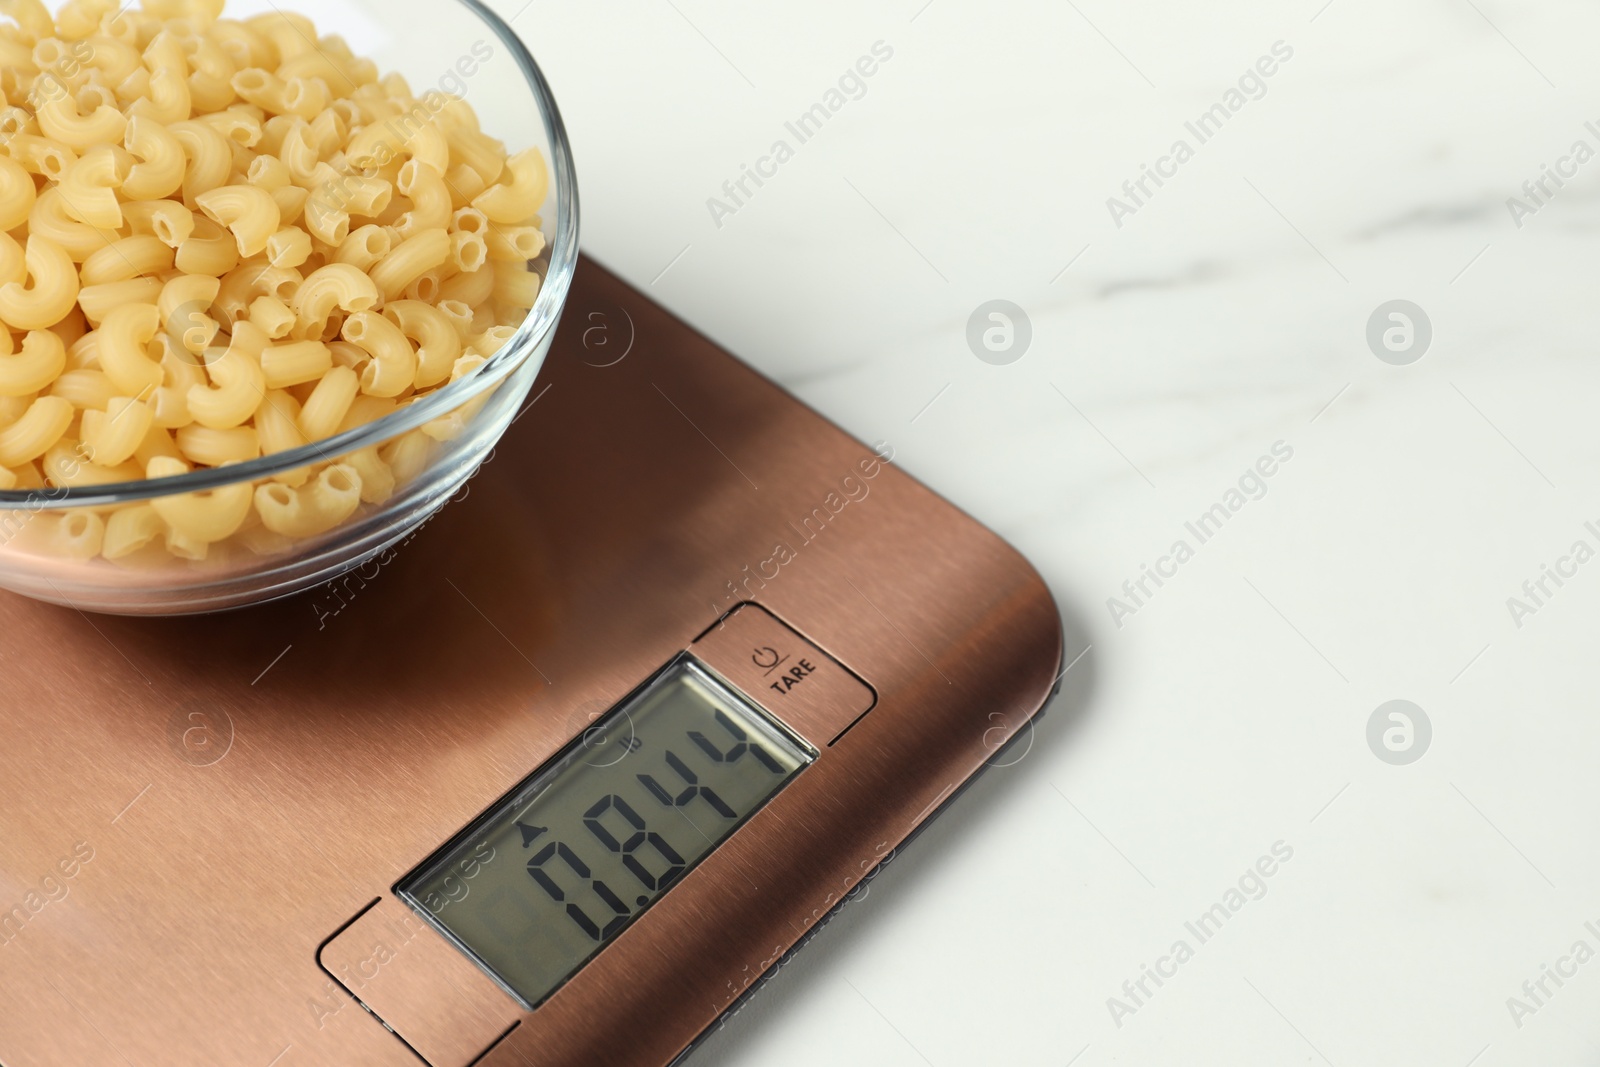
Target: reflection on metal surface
x=598, y=544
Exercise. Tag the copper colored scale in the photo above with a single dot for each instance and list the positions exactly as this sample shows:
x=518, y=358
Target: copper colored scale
x=251, y=787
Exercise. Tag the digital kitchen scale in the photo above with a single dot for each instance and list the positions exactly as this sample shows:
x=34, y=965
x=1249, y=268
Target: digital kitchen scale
x=555, y=782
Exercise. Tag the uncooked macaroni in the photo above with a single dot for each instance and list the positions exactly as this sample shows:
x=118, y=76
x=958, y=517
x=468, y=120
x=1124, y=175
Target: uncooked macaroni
x=228, y=238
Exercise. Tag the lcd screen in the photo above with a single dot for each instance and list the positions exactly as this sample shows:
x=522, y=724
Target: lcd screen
x=563, y=865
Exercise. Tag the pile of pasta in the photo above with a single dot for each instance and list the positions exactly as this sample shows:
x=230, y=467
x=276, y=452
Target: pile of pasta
x=223, y=239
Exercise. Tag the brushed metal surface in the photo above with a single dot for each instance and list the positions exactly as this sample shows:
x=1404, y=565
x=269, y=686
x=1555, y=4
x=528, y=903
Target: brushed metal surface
x=786, y=674
x=434, y=998
x=246, y=784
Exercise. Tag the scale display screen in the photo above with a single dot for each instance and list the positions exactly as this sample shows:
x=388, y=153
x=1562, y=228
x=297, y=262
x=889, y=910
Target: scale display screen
x=564, y=864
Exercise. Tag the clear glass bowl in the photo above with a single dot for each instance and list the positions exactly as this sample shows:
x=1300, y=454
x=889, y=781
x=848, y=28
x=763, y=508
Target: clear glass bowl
x=463, y=48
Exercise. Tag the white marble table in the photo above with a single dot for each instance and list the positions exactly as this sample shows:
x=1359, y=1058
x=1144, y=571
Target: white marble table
x=1227, y=315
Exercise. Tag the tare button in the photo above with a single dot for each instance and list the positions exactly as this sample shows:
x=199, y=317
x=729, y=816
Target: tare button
x=817, y=696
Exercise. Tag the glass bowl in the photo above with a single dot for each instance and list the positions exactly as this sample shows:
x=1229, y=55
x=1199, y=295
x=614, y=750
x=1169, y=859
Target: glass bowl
x=51, y=538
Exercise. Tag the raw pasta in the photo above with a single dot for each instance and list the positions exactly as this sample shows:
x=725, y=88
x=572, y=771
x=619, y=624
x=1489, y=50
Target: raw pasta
x=227, y=238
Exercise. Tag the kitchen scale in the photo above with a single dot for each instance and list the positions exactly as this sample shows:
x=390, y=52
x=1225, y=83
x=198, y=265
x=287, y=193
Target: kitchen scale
x=555, y=782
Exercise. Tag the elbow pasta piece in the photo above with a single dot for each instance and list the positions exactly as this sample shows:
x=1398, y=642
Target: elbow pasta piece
x=515, y=244
x=484, y=315
x=41, y=361
x=81, y=18
x=130, y=529
x=217, y=448
x=162, y=161
x=295, y=363
x=184, y=303
x=134, y=88
x=427, y=285
x=49, y=220
x=417, y=136
x=377, y=480
x=278, y=427
x=166, y=98
x=98, y=301
x=180, y=545
x=272, y=316
x=170, y=401
x=128, y=258
x=17, y=194
x=111, y=59
x=407, y=455
x=299, y=153
x=209, y=250
x=337, y=285
x=438, y=344
x=237, y=383
x=76, y=534
x=200, y=518
x=346, y=354
x=169, y=405
x=210, y=158
x=54, y=291
x=515, y=285
x=367, y=409
x=67, y=463
x=241, y=287
x=29, y=437
x=27, y=476
x=85, y=389
x=32, y=17
x=470, y=148
x=468, y=219
x=211, y=74
x=512, y=202
x=414, y=256
x=167, y=221
x=327, y=405
x=291, y=201
x=228, y=238
x=489, y=342
x=328, y=223
x=301, y=97
x=61, y=120
x=459, y=315
x=330, y=498
x=465, y=184
x=241, y=127
x=468, y=252
x=158, y=442
x=474, y=289
x=363, y=248
x=111, y=437
x=269, y=172
x=125, y=337
x=393, y=367
x=248, y=212
x=40, y=155
x=289, y=247
x=431, y=205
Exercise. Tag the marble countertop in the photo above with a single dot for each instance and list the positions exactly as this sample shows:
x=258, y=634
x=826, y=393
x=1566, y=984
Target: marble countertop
x=1370, y=515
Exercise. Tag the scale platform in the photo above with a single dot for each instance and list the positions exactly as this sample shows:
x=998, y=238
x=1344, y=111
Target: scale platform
x=556, y=781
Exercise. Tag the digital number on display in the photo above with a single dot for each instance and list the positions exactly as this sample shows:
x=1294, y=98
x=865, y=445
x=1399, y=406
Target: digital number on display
x=564, y=864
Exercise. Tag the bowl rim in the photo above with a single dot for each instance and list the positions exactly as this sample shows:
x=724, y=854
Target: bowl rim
x=539, y=323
